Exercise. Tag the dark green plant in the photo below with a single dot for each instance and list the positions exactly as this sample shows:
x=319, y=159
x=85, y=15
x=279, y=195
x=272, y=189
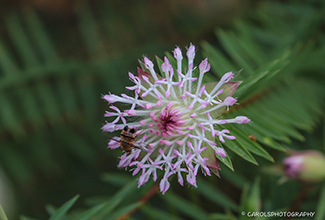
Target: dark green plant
x=50, y=116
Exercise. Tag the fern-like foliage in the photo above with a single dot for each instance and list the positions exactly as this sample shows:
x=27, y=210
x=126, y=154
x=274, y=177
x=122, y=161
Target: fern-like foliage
x=274, y=93
x=50, y=112
x=51, y=108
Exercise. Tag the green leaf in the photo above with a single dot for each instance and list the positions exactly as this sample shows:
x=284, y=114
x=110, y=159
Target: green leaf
x=30, y=105
x=323, y=148
x=249, y=44
x=250, y=145
x=281, y=121
x=219, y=63
x=265, y=125
x=7, y=64
x=126, y=191
x=262, y=77
x=158, y=214
x=320, y=211
x=68, y=96
x=21, y=41
x=255, y=200
x=184, y=206
x=117, y=179
x=48, y=100
x=230, y=43
x=122, y=211
x=59, y=214
x=250, y=201
x=217, y=216
x=70, y=138
x=250, y=82
x=262, y=137
x=40, y=36
x=27, y=218
x=2, y=213
x=90, y=213
x=225, y=160
x=15, y=163
x=9, y=116
x=90, y=32
x=214, y=194
x=239, y=149
x=87, y=92
x=235, y=178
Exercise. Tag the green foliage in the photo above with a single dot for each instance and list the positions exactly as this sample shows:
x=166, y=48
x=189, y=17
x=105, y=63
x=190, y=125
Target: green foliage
x=320, y=212
x=3, y=214
x=269, y=86
x=250, y=201
x=51, y=114
x=63, y=209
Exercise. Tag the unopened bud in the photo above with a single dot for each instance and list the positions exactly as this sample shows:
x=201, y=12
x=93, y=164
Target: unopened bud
x=307, y=166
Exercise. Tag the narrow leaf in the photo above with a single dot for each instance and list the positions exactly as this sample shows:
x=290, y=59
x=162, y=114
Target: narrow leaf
x=236, y=179
x=89, y=214
x=230, y=43
x=184, y=206
x=320, y=211
x=26, y=218
x=119, y=213
x=219, y=63
x=127, y=190
x=251, y=145
x=240, y=150
x=215, y=195
x=21, y=41
x=90, y=33
x=40, y=35
x=2, y=213
x=262, y=137
x=158, y=214
x=226, y=161
x=217, y=216
x=9, y=116
x=59, y=214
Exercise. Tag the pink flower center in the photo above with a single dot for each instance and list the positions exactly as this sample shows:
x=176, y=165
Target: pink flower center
x=170, y=122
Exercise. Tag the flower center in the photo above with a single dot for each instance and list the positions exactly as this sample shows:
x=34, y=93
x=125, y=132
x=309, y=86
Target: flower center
x=170, y=122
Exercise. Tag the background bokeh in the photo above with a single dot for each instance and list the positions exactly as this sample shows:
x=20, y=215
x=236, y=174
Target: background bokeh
x=57, y=58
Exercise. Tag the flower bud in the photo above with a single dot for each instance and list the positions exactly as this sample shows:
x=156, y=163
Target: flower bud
x=306, y=166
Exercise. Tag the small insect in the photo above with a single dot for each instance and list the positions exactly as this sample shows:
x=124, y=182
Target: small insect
x=252, y=137
x=127, y=139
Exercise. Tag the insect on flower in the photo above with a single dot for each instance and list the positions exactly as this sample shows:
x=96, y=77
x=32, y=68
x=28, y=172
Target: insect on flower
x=127, y=139
x=174, y=119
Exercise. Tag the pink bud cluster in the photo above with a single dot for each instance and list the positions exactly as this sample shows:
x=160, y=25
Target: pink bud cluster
x=177, y=119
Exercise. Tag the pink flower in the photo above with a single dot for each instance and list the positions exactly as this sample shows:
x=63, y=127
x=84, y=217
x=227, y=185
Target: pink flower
x=176, y=118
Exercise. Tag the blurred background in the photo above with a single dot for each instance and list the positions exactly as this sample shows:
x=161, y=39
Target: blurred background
x=58, y=57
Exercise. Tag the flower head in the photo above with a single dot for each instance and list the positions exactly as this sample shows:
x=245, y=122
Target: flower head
x=177, y=119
